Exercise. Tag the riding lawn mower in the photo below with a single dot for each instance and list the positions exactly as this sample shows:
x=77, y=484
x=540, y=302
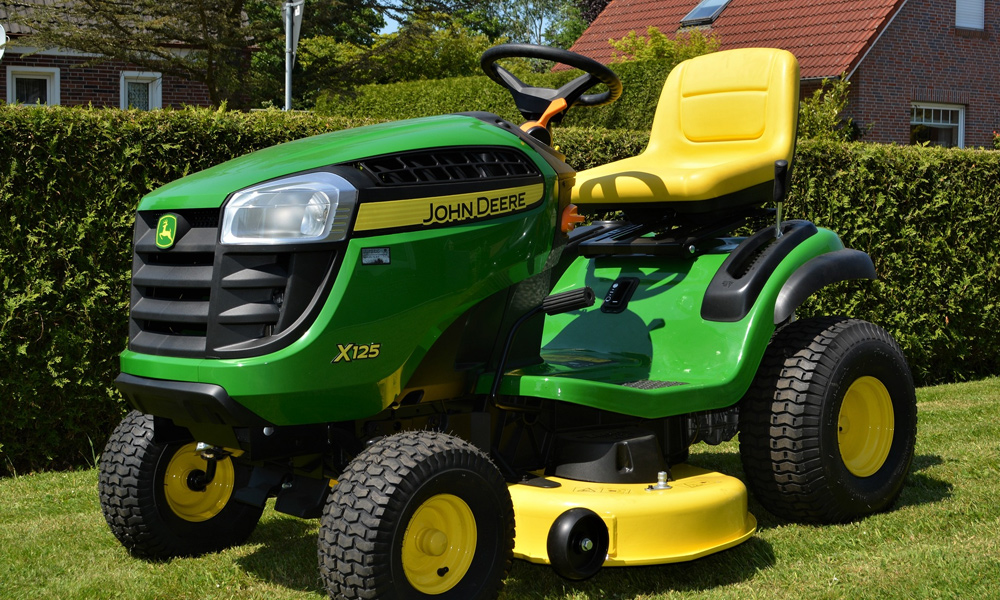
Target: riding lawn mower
x=430, y=335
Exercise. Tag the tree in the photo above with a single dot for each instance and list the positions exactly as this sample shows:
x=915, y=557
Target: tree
x=656, y=45
x=820, y=115
x=208, y=41
x=555, y=22
x=589, y=9
x=432, y=47
x=566, y=26
x=352, y=22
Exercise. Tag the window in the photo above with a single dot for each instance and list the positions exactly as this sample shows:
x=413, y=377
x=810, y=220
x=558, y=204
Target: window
x=937, y=124
x=706, y=12
x=33, y=85
x=969, y=14
x=141, y=90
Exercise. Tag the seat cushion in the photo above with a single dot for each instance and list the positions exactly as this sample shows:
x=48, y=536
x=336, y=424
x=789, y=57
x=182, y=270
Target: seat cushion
x=645, y=179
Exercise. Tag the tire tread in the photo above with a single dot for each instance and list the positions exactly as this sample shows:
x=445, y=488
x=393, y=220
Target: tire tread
x=377, y=483
x=127, y=490
x=780, y=418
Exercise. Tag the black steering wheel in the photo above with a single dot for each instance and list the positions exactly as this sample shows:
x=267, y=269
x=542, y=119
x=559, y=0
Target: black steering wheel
x=534, y=101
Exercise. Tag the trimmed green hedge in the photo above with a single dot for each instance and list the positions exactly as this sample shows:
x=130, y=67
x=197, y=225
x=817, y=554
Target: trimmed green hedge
x=70, y=180
x=69, y=183
x=643, y=83
x=927, y=217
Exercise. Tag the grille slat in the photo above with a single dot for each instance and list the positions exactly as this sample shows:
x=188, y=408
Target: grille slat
x=171, y=311
x=250, y=313
x=272, y=276
x=169, y=276
x=176, y=345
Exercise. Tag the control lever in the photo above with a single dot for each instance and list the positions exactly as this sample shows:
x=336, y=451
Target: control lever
x=780, y=191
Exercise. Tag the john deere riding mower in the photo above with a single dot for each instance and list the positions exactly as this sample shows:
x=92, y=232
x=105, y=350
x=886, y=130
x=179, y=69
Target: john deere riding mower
x=406, y=331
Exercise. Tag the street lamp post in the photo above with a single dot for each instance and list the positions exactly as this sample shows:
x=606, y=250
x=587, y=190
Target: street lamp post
x=293, y=24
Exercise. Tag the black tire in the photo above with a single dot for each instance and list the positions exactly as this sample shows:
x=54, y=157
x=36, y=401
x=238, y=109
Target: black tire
x=367, y=547
x=802, y=458
x=134, y=497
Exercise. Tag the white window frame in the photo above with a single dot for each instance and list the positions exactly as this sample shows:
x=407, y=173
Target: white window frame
x=936, y=105
x=49, y=74
x=155, y=81
x=970, y=14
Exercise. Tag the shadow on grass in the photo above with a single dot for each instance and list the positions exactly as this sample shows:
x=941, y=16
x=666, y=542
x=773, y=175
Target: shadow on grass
x=921, y=488
x=918, y=489
x=527, y=580
x=286, y=555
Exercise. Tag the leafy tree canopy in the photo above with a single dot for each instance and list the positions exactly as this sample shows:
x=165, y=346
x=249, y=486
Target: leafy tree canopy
x=431, y=47
x=547, y=22
x=656, y=45
x=348, y=21
x=820, y=115
x=236, y=47
x=157, y=35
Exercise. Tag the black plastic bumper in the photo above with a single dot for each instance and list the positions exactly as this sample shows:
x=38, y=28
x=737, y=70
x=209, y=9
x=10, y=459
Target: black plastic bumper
x=186, y=403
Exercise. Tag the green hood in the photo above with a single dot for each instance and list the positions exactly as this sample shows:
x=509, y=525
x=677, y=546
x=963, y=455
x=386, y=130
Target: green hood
x=209, y=188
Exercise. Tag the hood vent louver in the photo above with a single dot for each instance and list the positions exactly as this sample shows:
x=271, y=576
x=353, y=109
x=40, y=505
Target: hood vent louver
x=447, y=165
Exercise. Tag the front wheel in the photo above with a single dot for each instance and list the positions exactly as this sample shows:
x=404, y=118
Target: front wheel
x=828, y=429
x=153, y=499
x=417, y=515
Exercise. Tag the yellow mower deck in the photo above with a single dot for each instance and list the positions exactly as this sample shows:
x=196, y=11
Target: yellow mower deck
x=703, y=512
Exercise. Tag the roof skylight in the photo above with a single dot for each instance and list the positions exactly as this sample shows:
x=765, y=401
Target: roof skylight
x=706, y=12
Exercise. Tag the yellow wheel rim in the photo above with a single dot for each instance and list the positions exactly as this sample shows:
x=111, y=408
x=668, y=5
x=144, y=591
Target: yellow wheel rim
x=191, y=504
x=439, y=544
x=865, y=426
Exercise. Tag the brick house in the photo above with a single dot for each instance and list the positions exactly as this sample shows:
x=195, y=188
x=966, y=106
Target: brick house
x=920, y=70
x=60, y=77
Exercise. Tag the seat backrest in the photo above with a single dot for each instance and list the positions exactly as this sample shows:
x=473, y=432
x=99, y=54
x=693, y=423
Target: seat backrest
x=730, y=103
x=722, y=121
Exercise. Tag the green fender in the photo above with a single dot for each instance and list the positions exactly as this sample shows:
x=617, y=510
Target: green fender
x=681, y=345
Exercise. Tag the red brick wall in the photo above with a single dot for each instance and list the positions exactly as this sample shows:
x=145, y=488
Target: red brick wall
x=922, y=57
x=100, y=84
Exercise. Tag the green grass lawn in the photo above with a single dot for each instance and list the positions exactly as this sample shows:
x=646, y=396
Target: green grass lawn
x=941, y=541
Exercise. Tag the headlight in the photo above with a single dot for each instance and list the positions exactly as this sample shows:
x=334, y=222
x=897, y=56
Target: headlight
x=315, y=207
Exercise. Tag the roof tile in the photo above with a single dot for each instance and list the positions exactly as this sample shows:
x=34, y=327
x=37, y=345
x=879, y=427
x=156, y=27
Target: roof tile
x=829, y=37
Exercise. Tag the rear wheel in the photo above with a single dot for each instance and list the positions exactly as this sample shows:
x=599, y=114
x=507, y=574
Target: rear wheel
x=417, y=515
x=827, y=431
x=156, y=502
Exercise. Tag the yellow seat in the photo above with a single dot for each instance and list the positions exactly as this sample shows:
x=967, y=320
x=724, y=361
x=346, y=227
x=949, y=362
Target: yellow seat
x=722, y=121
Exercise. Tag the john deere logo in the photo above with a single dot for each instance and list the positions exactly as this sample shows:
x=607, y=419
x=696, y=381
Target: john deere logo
x=166, y=231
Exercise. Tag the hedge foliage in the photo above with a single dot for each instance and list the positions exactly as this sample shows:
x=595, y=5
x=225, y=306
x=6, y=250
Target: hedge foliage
x=70, y=180
x=819, y=114
x=927, y=216
x=643, y=82
x=69, y=183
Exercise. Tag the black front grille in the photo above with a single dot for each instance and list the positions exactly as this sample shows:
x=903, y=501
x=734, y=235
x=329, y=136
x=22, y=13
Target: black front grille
x=448, y=165
x=172, y=289
x=198, y=299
